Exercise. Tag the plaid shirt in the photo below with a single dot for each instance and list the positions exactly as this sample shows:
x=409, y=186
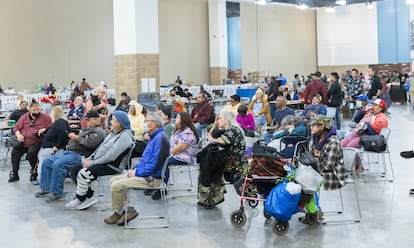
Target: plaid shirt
x=331, y=164
x=353, y=88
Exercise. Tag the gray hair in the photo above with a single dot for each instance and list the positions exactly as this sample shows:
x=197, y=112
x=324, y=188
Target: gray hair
x=282, y=98
x=288, y=120
x=156, y=118
x=230, y=118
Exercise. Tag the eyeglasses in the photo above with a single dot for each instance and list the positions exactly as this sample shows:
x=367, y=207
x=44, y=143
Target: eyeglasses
x=148, y=120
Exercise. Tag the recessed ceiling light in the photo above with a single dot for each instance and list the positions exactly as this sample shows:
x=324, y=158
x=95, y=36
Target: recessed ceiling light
x=340, y=2
x=302, y=6
x=369, y=5
x=261, y=2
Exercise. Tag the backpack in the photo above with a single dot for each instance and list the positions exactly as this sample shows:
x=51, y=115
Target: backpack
x=213, y=115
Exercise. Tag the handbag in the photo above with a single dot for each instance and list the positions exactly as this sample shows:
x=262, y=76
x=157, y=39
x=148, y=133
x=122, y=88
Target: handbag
x=309, y=178
x=373, y=143
x=15, y=143
x=307, y=158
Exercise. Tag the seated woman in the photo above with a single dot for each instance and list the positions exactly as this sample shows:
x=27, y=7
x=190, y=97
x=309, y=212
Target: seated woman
x=224, y=153
x=326, y=149
x=97, y=101
x=368, y=126
x=245, y=120
x=183, y=145
x=259, y=107
x=137, y=119
x=292, y=126
x=316, y=108
x=56, y=137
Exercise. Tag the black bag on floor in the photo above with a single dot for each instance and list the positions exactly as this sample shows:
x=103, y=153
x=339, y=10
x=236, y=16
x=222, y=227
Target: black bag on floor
x=373, y=143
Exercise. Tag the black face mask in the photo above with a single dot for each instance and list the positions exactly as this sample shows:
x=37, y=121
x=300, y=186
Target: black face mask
x=36, y=115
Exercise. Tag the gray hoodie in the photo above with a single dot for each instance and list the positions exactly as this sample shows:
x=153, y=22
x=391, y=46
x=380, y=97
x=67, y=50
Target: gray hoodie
x=113, y=146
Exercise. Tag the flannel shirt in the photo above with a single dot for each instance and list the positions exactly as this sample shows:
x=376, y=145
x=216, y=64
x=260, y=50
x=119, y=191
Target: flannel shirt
x=331, y=164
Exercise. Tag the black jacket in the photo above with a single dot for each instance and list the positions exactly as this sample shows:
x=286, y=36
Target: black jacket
x=334, y=95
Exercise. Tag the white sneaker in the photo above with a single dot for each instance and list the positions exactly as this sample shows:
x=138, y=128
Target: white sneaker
x=87, y=203
x=73, y=204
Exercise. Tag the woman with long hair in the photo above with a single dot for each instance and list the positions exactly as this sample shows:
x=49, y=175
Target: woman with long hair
x=224, y=153
x=183, y=144
x=56, y=137
x=97, y=101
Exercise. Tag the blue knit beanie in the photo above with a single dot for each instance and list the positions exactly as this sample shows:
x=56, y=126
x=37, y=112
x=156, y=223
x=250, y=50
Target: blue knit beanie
x=122, y=118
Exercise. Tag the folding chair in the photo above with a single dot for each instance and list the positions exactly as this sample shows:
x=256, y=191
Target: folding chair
x=381, y=156
x=349, y=156
x=131, y=200
x=124, y=165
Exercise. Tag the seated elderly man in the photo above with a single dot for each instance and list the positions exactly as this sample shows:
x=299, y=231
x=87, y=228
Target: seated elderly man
x=281, y=112
x=108, y=154
x=145, y=174
x=56, y=168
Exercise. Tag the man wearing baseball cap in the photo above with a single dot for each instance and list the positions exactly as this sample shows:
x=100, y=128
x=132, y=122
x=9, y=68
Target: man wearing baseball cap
x=317, y=86
x=234, y=104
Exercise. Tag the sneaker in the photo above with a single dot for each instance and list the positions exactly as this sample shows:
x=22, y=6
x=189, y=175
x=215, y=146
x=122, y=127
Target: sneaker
x=13, y=178
x=149, y=192
x=55, y=198
x=73, y=204
x=407, y=154
x=113, y=218
x=87, y=203
x=132, y=214
x=42, y=194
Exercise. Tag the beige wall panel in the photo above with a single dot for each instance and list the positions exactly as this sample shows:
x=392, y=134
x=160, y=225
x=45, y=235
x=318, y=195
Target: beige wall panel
x=278, y=39
x=184, y=46
x=55, y=40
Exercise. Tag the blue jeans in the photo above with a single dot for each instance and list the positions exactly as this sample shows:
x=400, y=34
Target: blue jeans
x=272, y=107
x=269, y=136
x=338, y=117
x=200, y=128
x=55, y=169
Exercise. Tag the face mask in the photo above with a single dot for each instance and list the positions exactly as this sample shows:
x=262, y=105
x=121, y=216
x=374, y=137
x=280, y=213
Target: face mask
x=36, y=115
x=146, y=129
x=358, y=104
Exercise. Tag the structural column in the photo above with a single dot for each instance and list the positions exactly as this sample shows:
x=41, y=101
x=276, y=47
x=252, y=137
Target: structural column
x=136, y=42
x=218, y=41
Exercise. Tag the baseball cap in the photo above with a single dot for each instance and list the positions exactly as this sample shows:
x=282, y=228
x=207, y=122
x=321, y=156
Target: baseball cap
x=317, y=74
x=381, y=103
x=235, y=98
x=362, y=97
x=320, y=120
x=92, y=114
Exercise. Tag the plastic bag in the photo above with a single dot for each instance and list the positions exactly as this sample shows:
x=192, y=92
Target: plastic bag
x=310, y=179
x=280, y=203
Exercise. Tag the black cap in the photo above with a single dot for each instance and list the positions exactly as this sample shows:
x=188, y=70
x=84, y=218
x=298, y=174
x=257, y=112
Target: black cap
x=92, y=114
x=235, y=98
x=317, y=74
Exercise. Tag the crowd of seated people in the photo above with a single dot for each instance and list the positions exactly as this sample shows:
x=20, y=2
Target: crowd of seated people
x=92, y=152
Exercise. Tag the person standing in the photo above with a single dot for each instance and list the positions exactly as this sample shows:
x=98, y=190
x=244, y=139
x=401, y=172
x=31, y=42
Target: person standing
x=335, y=97
x=353, y=88
x=317, y=86
x=376, y=86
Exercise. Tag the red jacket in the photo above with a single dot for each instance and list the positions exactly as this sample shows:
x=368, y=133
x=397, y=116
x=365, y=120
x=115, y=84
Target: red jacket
x=30, y=128
x=316, y=87
x=378, y=122
x=202, y=112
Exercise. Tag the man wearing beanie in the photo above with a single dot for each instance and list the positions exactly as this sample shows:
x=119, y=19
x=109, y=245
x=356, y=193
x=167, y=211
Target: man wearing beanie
x=110, y=153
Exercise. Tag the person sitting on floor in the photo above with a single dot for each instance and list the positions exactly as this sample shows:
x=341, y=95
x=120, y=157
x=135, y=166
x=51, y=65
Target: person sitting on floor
x=56, y=168
x=108, y=155
x=145, y=174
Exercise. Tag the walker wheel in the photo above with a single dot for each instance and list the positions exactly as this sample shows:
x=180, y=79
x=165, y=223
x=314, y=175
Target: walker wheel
x=280, y=227
x=238, y=218
x=266, y=214
x=253, y=203
x=208, y=203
